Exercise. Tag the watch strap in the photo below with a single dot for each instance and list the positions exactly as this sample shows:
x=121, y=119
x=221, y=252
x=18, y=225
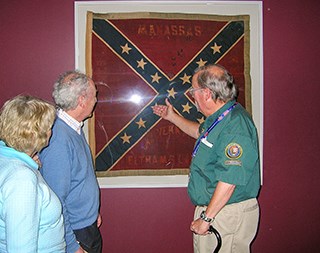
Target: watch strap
x=204, y=217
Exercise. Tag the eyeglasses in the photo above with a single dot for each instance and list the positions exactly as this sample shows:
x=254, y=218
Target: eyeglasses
x=193, y=90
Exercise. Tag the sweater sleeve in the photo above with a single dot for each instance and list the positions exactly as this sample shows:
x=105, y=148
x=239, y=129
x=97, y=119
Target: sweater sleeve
x=21, y=211
x=56, y=162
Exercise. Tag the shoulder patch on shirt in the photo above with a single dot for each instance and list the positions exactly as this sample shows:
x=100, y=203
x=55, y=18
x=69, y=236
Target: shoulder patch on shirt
x=233, y=151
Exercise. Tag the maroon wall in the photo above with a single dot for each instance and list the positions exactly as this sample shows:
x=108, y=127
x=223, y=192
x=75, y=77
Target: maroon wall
x=37, y=44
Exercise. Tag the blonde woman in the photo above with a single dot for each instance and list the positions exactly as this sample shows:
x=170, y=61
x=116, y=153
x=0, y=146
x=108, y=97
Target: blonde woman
x=31, y=215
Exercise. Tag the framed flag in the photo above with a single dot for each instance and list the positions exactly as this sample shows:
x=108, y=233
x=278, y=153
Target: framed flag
x=140, y=58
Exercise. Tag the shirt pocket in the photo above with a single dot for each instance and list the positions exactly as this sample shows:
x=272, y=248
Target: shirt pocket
x=205, y=156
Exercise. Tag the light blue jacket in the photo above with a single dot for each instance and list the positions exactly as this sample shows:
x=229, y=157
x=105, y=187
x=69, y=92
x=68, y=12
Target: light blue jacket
x=30, y=213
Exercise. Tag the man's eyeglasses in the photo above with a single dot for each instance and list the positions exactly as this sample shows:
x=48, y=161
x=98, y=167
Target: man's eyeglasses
x=193, y=90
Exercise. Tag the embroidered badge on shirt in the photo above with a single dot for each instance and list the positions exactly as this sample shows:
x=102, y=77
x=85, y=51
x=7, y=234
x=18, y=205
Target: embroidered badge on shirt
x=233, y=151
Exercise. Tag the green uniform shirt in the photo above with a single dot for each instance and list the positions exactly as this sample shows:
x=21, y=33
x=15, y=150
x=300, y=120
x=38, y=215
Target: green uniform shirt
x=229, y=154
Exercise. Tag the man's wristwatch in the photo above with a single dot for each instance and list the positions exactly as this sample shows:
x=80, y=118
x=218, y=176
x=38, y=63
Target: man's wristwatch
x=204, y=217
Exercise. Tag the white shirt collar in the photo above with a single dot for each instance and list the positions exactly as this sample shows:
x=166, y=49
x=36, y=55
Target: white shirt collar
x=74, y=124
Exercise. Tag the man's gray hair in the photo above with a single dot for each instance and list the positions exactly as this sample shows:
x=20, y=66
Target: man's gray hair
x=220, y=82
x=68, y=88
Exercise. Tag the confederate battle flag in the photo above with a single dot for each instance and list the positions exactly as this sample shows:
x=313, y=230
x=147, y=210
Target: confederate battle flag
x=137, y=61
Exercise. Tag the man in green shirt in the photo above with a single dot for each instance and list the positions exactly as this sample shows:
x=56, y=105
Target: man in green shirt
x=225, y=170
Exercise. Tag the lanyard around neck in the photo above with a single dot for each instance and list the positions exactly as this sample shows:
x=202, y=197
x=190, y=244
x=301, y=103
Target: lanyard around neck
x=216, y=122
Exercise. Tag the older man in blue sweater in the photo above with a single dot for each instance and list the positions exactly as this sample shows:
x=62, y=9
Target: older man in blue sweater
x=67, y=164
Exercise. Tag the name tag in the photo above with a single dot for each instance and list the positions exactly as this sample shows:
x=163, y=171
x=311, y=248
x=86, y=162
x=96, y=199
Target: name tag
x=205, y=142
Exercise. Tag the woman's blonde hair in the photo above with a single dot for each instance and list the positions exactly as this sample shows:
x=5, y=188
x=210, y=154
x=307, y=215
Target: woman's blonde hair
x=25, y=122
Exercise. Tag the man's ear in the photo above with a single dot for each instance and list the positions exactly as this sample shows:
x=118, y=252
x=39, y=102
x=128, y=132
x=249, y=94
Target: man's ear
x=81, y=100
x=207, y=94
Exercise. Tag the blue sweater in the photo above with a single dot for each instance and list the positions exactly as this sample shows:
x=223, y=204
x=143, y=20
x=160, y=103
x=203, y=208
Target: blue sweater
x=31, y=218
x=68, y=169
